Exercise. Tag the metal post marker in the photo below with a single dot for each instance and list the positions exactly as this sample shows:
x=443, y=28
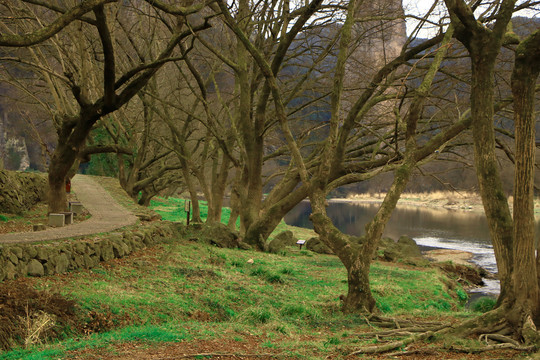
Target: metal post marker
x=301, y=242
x=187, y=207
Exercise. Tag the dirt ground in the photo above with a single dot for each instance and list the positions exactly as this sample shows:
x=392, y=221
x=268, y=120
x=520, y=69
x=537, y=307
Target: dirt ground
x=251, y=348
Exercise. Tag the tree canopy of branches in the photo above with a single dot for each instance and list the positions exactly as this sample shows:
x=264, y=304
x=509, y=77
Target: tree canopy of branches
x=290, y=96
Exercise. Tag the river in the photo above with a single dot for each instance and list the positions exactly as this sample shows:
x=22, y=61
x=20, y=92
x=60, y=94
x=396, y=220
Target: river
x=429, y=227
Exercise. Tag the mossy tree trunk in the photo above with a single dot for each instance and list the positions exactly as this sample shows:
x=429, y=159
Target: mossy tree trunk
x=316, y=182
x=357, y=258
x=525, y=302
x=70, y=140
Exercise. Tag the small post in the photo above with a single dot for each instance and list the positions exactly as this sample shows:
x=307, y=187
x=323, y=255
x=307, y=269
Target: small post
x=187, y=207
x=301, y=242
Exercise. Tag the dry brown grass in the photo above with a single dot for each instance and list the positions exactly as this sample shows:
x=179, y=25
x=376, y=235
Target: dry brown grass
x=422, y=197
x=35, y=325
x=439, y=199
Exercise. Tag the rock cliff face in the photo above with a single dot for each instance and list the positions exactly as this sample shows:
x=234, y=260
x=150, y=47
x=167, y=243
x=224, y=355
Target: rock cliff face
x=16, y=154
x=13, y=149
x=378, y=41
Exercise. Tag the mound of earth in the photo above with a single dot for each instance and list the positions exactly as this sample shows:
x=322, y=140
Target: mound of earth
x=28, y=316
x=20, y=191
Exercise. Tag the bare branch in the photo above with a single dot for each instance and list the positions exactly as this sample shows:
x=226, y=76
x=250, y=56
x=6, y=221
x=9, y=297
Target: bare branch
x=21, y=40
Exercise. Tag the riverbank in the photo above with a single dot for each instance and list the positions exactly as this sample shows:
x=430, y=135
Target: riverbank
x=450, y=227
x=462, y=201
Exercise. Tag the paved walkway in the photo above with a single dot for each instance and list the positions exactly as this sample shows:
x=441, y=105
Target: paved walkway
x=107, y=215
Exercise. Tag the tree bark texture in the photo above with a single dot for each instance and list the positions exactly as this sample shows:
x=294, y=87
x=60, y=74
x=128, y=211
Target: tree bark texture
x=484, y=45
x=359, y=297
x=513, y=239
x=525, y=275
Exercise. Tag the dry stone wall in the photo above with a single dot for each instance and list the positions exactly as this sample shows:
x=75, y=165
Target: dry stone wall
x=57, y=258
x=19, y=191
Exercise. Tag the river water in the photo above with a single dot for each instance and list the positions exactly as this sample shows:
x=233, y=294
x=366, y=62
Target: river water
x=430, y=228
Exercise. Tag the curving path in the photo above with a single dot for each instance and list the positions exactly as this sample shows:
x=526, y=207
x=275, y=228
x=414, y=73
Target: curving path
x=107, y=215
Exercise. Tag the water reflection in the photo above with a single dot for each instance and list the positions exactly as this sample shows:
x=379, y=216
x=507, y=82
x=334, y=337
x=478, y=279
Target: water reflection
x=352, y=218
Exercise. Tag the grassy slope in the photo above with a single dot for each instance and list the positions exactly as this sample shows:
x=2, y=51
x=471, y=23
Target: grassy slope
x=183, y=291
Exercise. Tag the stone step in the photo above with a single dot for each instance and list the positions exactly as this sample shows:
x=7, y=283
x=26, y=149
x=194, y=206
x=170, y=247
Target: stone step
x=57, y=219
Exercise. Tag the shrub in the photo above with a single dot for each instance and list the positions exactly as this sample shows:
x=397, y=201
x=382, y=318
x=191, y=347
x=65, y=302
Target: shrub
x=484, y=304
x=462, y=296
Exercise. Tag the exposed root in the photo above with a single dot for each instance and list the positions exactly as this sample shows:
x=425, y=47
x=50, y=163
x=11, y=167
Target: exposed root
x=530, y=333
x=497, y=337
x=232, y=355
x=393, y=323
x=402, y=331
x=413, y=352
x=491, y=347
x=392, y=345
x=493, y=327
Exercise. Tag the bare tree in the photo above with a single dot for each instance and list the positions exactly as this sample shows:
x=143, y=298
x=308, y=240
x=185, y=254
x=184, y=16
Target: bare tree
x=110, y=92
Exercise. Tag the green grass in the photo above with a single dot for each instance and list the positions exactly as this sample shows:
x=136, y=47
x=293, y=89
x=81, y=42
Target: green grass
x=172, y=209
x=185, y=291
x=176, y=292
x=484, y=304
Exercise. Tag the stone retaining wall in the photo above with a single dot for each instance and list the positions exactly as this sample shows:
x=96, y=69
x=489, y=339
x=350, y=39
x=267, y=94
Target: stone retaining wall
x=19, y=191
x=60, y=257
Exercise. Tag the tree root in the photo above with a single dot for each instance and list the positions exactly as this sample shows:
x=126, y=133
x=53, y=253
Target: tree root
x=233, y=355
x=493, y=327
x=392, y=345
x=492, y=347
x=413, y=352
x=393, y=323
x=402, y=331
x=497, y=337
